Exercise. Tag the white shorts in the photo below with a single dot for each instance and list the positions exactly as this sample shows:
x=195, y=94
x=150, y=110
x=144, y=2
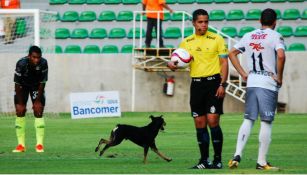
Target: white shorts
x=260, y=101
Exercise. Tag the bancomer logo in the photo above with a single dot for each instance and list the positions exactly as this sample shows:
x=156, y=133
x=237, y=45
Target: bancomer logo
x=94, y=110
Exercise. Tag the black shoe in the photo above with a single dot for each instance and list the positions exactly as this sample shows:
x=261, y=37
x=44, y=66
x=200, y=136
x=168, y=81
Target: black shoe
x=203, y=164
x=217, y=164
x=234, y=163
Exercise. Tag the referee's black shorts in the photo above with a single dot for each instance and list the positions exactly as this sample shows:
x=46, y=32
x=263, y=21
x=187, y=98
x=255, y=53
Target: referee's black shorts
x=25, y=92
x=203, y=100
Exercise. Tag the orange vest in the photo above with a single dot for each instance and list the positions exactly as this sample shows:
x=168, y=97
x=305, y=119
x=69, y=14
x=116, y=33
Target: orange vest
x=10, y=4
x=154, y=5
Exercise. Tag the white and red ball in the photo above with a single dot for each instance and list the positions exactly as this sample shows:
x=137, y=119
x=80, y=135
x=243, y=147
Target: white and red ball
x=182, y=57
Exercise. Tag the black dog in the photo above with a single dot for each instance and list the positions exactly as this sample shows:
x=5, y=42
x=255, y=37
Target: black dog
x=142, y=136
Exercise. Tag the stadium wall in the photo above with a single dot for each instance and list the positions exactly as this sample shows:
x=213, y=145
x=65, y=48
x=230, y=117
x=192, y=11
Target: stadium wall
x=89, y=73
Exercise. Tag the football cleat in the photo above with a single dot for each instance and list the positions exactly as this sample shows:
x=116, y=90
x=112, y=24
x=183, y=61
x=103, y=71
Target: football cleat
x=203, y=164
x=19, y=149
x=234, y=163
x=39, y=148
x=268, y=166
x=216, y=164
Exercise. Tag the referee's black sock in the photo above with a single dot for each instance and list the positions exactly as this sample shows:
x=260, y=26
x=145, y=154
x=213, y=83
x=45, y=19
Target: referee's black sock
x=203, y=139
x=217, y=141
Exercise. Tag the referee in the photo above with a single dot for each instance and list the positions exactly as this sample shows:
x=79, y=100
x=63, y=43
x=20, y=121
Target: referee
x=209, y=71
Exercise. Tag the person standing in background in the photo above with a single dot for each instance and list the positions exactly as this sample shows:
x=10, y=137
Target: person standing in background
x=152, y=19
x=9, y=21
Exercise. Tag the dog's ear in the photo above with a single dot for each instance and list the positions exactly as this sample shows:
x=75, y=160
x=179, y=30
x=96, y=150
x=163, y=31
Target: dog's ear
x=161, y=116
x=151, y=117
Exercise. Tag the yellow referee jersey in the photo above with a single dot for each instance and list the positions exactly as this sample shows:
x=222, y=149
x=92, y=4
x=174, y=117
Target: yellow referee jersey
x=206, y=51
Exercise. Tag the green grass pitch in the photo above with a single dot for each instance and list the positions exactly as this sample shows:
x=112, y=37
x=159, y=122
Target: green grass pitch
x=70, y=144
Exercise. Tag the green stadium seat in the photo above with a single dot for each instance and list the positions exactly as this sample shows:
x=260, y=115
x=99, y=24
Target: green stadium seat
x=212, y=30
x=291, y=14
x=177, y=16
x=58, y=49
x=126, y=49
x=169, y=46
x=107, y=16
x=131, y=1
x=76, y=1
x=62, y=33
x=185, y=1
x=91, y=49
x=70, y=16
x=98, y=33
x=285, y=31
x=204, y=1
x=124, y=16
x=172, y=32
x=153, y=33
x=245, y=30
x=112, y=1
x=240, y=1
x=222, y=1
x=301, y=31
x=297, y=47
x=72, y=49
x=171, y=1
x=167, y=16
x=278, y=1
x=137, y=33
x=230, y=31
x=58, y=17
x=21, y=26
x=109, y=49
x=217, y=15
x=278, y=12
x=295, y=0
x=138, y=17
x=79, y=33
x=87, y=16
x=253, y=14
x=304, y=14
x=235, y=15
x=55, y=2
x=44, y=33
x=117, y=33
x=188, y=31
x=94, y=1
x=259, y=1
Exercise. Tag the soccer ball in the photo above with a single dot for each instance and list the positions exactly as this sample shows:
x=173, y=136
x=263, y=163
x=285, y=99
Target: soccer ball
x=182, y=57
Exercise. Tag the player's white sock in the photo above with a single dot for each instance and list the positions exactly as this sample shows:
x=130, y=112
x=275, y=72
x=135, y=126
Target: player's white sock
x=264, y=142
x=243, y=135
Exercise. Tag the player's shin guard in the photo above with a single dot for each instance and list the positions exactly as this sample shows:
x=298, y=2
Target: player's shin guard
x=203, y=139
x=20, y=125
x=217, y=141
x=39, y=124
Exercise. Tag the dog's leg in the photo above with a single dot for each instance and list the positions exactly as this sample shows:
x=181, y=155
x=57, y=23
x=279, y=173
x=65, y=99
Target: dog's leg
x=155, y=149
x=145, y=154
x=100, y=143
x=104, y=149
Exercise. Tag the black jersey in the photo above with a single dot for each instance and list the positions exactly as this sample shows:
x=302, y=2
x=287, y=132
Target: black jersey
x=27, y=75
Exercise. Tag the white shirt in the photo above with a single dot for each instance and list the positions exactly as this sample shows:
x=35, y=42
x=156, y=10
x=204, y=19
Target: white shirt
x=260, y=47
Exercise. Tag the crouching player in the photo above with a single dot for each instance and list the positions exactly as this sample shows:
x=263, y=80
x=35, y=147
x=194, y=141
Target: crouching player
x=30, y=77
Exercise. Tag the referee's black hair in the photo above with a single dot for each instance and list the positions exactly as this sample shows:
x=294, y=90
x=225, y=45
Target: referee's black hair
x=268, y=17
x=35, y=49
x=198, y=12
